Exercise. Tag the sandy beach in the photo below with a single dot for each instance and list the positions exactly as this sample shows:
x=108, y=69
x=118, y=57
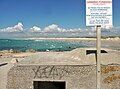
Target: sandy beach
x=116, y=38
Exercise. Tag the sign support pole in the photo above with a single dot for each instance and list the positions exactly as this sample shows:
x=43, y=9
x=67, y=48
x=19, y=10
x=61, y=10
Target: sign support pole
x=98, y=14
x=98, y=46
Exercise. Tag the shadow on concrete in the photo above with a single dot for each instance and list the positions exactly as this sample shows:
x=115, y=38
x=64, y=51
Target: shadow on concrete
x=94, y=51
x=3, y=64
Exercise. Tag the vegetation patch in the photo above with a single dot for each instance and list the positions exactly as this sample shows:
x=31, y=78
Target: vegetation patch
x=109, y=69
x=112, y=78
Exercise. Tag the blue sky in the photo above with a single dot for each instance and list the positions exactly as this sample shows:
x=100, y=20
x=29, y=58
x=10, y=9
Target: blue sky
x=65, y=13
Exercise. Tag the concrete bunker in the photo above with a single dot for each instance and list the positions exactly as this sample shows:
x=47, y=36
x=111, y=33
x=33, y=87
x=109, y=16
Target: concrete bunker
x=64, y=70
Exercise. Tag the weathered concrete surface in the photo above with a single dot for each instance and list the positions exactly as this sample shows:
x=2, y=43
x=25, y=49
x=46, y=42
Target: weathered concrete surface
x=3, y=74
x=75, y=57
x=75, y=76
x=22, y=77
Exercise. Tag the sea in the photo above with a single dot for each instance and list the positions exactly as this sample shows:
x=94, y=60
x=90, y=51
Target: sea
x=45, y=45
x=39, y=45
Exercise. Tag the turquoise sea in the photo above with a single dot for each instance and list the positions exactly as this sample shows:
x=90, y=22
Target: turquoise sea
x=38, y=45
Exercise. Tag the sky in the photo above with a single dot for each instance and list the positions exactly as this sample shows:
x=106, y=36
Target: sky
x=47, y=14
x=66, y=13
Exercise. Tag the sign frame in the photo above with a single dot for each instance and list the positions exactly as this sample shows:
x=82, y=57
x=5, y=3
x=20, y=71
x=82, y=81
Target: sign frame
x=99, y=12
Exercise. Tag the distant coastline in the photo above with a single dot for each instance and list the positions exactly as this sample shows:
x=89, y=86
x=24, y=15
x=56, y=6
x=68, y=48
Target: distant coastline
x=70, y=38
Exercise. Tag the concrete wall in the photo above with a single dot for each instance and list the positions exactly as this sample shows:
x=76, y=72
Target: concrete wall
x=75, y=76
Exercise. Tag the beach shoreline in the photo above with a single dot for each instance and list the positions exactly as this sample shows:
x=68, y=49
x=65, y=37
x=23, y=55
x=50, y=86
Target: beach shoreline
x=82, y=38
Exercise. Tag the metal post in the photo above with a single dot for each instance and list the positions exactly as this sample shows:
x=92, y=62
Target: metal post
x=98, y=28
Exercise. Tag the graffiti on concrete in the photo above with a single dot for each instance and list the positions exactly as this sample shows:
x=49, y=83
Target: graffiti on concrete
x=51, y=72
x=58, y=72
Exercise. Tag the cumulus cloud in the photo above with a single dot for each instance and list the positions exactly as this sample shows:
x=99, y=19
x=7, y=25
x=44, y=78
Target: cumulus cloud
x=16, y=28
x=56, y=28
x=52, y=28
x=35, y=29
x=58, y=31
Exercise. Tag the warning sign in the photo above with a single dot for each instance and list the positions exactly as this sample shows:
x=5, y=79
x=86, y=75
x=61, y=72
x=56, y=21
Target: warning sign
x=99, y=12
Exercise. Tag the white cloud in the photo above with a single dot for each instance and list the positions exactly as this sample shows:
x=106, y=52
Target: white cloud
x=52, y=28
x=56, y=31
x=35, y=29
x=16, y=28
x=106, y=27
x=56, y=28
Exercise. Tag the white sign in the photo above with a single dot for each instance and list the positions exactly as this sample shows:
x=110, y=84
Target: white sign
x=99, y=12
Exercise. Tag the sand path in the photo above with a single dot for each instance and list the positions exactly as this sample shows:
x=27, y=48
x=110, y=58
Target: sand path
x=3, y=73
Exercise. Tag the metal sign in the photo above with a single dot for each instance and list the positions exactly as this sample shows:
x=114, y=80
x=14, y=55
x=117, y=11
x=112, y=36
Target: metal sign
x=99, y=12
